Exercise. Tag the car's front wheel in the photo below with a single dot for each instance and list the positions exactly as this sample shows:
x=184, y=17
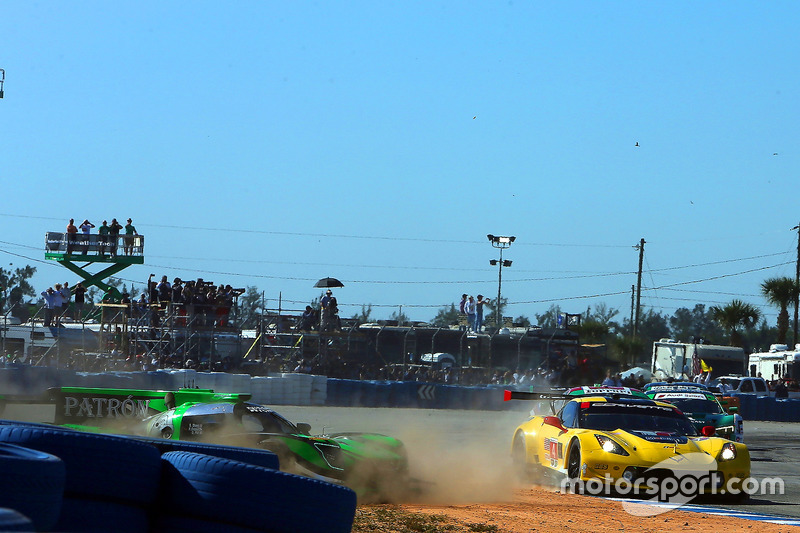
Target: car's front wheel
x=574, y=461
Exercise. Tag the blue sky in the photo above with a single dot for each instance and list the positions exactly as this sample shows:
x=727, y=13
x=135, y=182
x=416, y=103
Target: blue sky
x=275, y=143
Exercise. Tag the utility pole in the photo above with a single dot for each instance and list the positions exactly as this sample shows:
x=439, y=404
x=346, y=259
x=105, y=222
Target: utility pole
x=639, y=247
x=796, y=285
x=633, y=303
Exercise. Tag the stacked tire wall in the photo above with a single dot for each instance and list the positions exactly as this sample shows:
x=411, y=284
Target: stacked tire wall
x=57, y=479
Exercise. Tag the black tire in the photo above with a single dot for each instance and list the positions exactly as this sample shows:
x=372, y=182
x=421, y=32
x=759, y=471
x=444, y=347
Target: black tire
x=11, y=520
x=286, y=460
x=574, y=461
x=251, y=456
x=210, y=488
x=33, y=484
x=81, y=515
x=97, y=466
x=519, y=458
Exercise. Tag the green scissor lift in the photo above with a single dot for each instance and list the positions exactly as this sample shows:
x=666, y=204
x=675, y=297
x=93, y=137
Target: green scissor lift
x=118, y=252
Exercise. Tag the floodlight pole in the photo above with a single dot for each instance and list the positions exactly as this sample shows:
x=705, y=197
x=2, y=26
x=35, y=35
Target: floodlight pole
x=500, y=243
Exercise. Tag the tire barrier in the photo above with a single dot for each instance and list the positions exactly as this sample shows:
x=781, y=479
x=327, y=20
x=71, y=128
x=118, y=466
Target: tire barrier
x=97, y=466
x=199, y=486
x=12, y=520
x=767, y=408
x=87, y=515
x=181, y=524
x=251, y=456
x=33, y=484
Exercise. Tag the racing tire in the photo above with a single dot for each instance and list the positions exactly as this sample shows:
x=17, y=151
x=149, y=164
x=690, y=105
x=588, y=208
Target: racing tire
x=251, y=456
x=97, y=466
x=12, y=520
x=210, y=488
x=286, y=461
x=85, y=515
x=182, y=524
x=574, y=466
x=519, y=459
x=33, y=484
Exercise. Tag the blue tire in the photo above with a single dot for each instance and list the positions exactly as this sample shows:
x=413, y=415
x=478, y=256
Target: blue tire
x=11, y=520
x=210, y=488
x=83, y=515
x=180, y=524
x=251, y=456
x=33, y=484
x=97, y=466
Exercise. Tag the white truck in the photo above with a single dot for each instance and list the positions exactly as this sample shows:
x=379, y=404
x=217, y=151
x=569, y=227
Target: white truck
x=778, y=363
x=681, y=360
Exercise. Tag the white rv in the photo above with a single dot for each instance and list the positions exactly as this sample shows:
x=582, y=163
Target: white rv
x=680, y=360
x=779, y=362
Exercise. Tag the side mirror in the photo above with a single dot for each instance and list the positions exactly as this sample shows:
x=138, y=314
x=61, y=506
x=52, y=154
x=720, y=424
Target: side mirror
x=304, y=428
x=733, y=409
x=708, y=431
x=554, y=421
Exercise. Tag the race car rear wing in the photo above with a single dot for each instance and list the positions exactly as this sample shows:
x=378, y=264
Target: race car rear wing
x=575, y=392
x=96, y=406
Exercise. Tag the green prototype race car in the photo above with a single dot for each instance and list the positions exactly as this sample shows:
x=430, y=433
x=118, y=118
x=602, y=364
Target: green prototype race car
x=374, y=465
x=700, y=406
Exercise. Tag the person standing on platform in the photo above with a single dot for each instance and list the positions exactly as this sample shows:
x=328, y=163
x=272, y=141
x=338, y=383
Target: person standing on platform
x=102, y=239
x=469, y=309
x=49, y=306
x=58, y=302
x=113, y=236
x=66, y=293
x=130, y=231
x=72, y=235
x=80, y=299
x=86, y=229
x=328, y=312
x=479, y=312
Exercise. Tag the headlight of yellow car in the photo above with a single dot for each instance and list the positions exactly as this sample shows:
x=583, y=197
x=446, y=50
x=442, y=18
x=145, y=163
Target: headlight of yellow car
x=609, y=445
x=728, y=452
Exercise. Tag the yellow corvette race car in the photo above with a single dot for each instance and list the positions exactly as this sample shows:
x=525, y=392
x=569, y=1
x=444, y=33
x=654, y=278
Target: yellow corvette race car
x=619, y=440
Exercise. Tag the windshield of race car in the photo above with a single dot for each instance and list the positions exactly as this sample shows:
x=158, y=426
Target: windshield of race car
x=608, y=416
x=692, y=405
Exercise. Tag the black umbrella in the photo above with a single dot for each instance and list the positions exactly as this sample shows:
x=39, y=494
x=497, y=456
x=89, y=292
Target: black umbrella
x=329, y=282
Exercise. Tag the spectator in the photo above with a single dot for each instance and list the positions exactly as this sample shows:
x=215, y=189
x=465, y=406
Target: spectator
x=780, y=390
x=66, y=293
x=49, y=306
x=469, y=309
x=164, y=292
x=130, y=231
x=479, y=312
x=80, y=299
x=58, y=305
x=113, y=236
x=307, y=320
x=72, y=235
x=86, y=229
x=329, y=311
x=102, y=238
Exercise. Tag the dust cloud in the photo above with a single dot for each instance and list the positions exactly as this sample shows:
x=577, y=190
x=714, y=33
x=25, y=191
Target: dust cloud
x=455, y=457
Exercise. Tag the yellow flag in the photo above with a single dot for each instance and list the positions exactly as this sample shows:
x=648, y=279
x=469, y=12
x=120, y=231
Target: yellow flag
x=704, y=367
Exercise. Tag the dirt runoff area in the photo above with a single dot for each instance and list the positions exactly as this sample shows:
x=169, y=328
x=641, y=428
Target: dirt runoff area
x=544, y=510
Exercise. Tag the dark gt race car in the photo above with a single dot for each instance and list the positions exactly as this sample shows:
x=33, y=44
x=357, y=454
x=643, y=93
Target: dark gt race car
x=701, y=406
x=613, y=435
x=369, y=463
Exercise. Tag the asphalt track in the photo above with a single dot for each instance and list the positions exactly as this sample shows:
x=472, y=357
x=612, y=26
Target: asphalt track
x=483, y=437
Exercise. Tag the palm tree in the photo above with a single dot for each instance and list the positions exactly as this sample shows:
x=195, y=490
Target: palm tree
x=733, y=315
x=780, y=292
